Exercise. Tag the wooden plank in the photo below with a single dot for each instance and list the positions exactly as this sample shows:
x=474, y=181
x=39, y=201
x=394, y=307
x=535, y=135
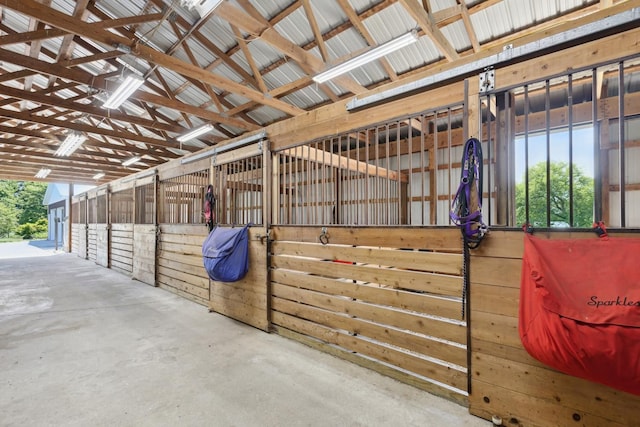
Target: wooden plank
x=398, y=279
x=415, y=260
x=380, y=314
x=410, y=362
x=248, y=296
x=326, y=158
x=381, y=333
x=390, y=371
x=496, y=271
x=495, y=328
x=183, y=286
x=122, y=260
x=489, y=399
x=495, y=299
x=571, y=392
x=505, y=352
x=123, y=269
x=192, y=279
x=375, y=295
x=183, y=294
x=253, y=316
x=444, y=239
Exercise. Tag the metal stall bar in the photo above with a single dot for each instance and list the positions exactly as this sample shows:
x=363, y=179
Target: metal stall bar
x=547, y=107
x=621, y=145
x=526, y=153
x=570, y=107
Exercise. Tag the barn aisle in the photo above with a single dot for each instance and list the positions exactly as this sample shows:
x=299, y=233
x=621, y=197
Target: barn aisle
x=82, y=345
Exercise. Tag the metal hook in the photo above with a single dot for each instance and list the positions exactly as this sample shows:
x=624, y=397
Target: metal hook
x=324, y=236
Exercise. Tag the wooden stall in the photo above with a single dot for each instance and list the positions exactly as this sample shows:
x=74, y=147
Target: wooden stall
x=79, y=226
x=121, y=244
x=102, y=227
x=144, y=231
x=92, y=225
x=181, y=231
x=239, y=178
x=508, y=383
x=389, y=299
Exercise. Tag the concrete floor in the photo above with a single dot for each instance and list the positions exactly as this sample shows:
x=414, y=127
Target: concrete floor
x=81, y=345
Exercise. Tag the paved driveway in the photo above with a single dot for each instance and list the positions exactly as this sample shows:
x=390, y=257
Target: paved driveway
x=29, y=248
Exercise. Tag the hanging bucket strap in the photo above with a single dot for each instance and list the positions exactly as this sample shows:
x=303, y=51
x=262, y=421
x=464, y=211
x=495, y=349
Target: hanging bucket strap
x=210, y=208
x=466, y=208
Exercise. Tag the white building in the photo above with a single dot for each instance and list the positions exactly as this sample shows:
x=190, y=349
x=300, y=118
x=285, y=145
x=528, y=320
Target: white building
x=56, y=199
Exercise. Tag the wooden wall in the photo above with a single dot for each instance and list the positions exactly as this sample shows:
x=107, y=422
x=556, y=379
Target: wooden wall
x=179, y=261
x=391, y=297
x=92, y=241
x=246, y=299
x=506, y=381
x=79, y=239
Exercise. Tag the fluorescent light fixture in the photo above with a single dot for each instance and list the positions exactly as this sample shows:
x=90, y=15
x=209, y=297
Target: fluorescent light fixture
x=203, y=7
x=132, y=160
x=195, y=133
x=72, y=142
x=368, y=56
x=98, y=175
x=43, y=173
x=236, y=144
x=130, y=84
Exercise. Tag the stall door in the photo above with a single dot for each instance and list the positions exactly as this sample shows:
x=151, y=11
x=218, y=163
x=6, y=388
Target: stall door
x=144, y=233
x=102, y=229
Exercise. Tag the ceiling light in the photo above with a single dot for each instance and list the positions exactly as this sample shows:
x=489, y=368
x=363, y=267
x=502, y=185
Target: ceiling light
x=129, y=162
x=98, y=175
x=203, y=7
x=130, y=84
x=72, y=142
x=368, y=56
x=43, y=173
x=195, y=133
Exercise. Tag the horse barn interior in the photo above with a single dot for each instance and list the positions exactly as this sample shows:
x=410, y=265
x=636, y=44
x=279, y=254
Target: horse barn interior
x=348, y=183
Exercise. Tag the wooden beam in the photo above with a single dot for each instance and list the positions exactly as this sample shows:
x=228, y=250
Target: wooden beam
x=428, y=25
x=67, y=23
x=333, y=160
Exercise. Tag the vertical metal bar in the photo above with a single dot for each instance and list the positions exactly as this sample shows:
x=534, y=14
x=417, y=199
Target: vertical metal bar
x=526, y=153
x=547, y=108
x=387, y=182
x=449, y=195
x=621, y=144
x=490, y=164
x=435, y=167
x=376, y=182
x=398, y=182
x=597, y=181
x=366, y=177
x=423, y=197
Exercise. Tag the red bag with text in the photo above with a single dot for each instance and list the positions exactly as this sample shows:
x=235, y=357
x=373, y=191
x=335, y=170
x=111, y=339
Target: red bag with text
x=580, y=308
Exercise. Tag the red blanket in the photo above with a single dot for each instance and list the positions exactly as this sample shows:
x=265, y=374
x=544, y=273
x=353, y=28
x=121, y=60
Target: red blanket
x=580, y=308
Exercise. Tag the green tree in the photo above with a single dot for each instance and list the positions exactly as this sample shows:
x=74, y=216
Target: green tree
x=558, y=198
x=29, y=202
x=8, y=219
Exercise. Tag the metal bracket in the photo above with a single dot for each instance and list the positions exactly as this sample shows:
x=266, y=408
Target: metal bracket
x=487, y=80
x=260, y=146
x=324, y=236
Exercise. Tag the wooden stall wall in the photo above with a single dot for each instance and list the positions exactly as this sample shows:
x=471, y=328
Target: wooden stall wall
x=386, y=298
x=506, y=381
x=121, y=245
x=238, y=179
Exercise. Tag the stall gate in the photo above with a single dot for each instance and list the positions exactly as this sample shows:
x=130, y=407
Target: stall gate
x=144, y=232
x=79, y=227
x=92, y=227
x=389, y=299
x=121, y=244
x=102, y=228
x=238, y=179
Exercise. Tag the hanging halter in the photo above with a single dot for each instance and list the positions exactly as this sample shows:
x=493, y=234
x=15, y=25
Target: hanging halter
x=210, y=208
x=466, y=209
